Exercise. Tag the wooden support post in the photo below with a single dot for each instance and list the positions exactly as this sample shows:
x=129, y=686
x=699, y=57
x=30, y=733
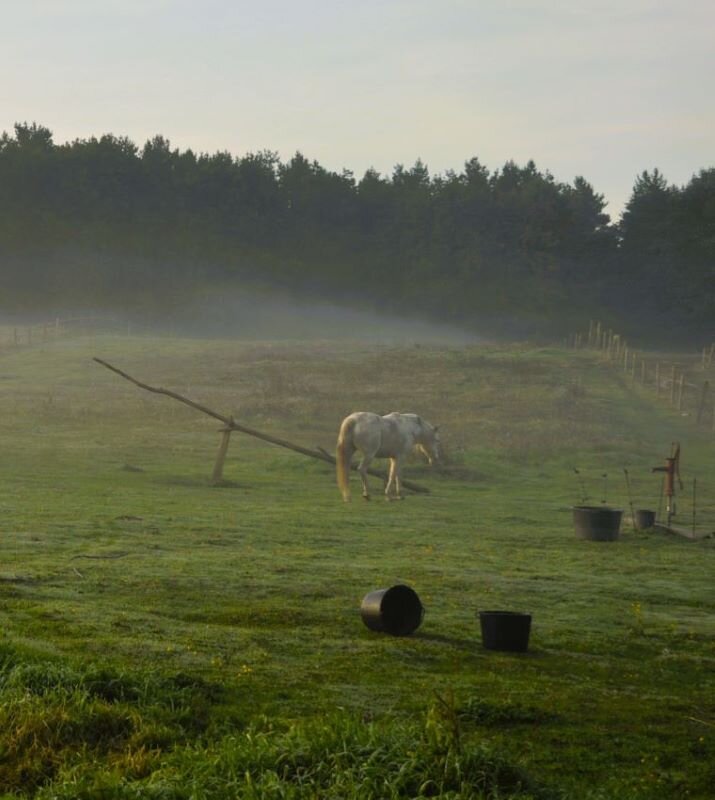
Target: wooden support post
x=703, y=397
x=625, y=358
x=598, y=336
x=672, y=386
x=681, y=385
x=217, y=476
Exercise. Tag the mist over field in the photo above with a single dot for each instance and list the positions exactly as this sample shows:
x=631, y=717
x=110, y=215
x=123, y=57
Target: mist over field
x=264, y=315
x=253, y=314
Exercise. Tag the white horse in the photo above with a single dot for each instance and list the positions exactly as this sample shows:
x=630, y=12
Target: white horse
x=392, y=436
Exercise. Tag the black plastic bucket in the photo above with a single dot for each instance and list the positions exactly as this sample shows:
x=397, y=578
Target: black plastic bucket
x=597, y=523
x=644, y=518
x=397, y=610
x=505, y=630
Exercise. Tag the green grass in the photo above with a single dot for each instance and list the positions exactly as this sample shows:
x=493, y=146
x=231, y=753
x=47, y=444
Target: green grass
x=163, y=638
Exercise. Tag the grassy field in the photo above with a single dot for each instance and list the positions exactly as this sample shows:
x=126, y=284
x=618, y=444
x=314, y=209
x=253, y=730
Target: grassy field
x=164, y=638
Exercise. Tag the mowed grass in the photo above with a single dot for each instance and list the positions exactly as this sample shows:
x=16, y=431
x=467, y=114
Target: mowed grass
x=163, y=637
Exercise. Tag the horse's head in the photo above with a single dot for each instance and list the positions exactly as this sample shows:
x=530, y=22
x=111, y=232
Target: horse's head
x=429, y=444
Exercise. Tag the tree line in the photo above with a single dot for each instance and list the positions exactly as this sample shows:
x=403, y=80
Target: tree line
x=100, y=221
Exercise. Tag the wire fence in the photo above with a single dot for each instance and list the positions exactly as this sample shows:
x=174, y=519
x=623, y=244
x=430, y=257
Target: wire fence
x=684, y=382
x=15, y=337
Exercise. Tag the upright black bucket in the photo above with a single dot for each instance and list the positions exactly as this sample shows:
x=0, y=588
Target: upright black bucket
x=505, y=630
x=397, y=610
x=597, y=523
x=644, y=519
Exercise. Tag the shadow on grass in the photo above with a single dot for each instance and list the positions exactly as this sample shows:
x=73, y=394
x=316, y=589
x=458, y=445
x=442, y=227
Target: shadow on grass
x=475, y=646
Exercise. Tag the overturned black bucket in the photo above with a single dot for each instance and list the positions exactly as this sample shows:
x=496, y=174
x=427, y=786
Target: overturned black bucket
x=397, y=610
x=505, y=630
x=644, y=519
x=597, y=523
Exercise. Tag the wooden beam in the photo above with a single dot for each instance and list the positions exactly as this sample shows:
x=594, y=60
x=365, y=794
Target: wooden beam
x=230, y=423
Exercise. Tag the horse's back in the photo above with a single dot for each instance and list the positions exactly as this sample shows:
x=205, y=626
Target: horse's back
x=397, y=434
x=381, y=436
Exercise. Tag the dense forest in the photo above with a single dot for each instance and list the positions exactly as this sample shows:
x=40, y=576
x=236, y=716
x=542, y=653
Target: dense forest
x=101, y=223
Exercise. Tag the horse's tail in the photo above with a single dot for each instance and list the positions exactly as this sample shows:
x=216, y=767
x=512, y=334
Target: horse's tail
x=343, y=455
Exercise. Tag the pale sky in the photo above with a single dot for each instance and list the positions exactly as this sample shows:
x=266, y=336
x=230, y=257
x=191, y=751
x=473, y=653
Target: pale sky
x=601, y=89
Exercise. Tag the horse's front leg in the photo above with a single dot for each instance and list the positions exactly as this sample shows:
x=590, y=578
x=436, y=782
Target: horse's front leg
x=398, y=479
x=392, y=489
x=362, y=469
x=394, y=481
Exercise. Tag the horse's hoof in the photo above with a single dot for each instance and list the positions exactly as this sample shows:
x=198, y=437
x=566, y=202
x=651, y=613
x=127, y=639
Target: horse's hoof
x=366, y=497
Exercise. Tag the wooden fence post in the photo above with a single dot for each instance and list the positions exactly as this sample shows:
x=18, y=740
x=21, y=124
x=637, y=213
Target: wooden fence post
x=701, y=404
x=217, y=476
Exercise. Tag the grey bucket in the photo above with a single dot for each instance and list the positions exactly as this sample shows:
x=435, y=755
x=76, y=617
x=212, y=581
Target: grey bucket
x=644, y=519
x=597, y=523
